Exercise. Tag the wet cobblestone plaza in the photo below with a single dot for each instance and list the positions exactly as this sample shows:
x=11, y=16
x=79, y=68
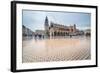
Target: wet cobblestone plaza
x=56, y=49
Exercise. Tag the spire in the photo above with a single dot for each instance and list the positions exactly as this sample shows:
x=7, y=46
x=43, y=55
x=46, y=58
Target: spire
x=75, y=26
x=46, y=21
x=46, y=18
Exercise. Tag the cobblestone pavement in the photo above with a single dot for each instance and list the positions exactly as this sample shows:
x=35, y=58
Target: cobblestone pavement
x=63, y=49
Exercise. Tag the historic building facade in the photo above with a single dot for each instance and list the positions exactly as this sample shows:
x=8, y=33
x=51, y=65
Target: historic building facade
x=52, y=29
x=55, y=29
x=27, y=33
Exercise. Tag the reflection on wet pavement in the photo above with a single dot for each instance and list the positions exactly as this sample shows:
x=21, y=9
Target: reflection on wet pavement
x=63, y=49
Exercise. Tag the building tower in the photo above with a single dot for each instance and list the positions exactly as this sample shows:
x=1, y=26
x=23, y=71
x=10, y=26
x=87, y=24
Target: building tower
x=74, y=27
x=46, y=24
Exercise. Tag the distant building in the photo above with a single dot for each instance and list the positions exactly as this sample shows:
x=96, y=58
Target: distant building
x=40, y=33
x=26, y=32
x=46, y=26
x=55, y=29
x=87, y=32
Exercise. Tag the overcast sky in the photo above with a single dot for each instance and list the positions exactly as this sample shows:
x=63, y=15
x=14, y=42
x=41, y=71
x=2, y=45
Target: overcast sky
x=35, y=19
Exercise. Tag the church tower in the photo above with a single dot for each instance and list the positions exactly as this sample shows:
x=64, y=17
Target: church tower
x=74, y=27
x=46, y=24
